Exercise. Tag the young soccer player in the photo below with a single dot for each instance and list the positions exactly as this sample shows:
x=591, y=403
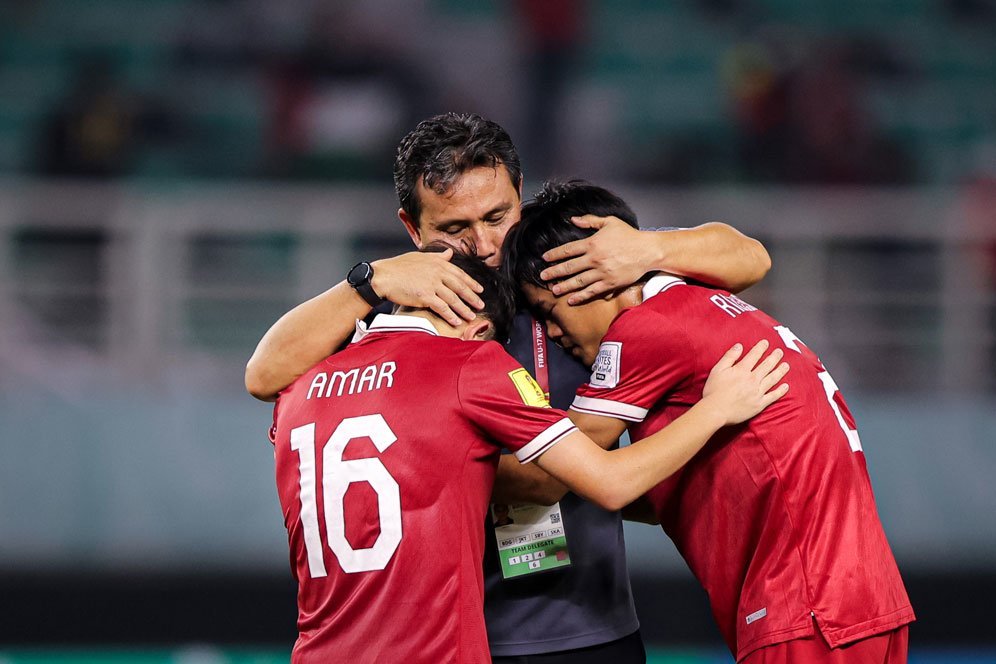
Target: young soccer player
x=776, y=517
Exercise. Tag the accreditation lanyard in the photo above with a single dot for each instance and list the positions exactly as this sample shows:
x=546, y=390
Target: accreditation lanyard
x=531, y=538
x=540, y=358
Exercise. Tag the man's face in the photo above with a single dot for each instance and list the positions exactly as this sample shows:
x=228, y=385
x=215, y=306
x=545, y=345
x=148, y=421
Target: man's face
x=479, y=209
x=578, y=329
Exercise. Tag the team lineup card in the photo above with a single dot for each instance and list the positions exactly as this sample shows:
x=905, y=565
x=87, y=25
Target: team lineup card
x=531, y=538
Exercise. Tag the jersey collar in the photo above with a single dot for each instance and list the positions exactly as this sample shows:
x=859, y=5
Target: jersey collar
x=393, y=323
x=660, y=283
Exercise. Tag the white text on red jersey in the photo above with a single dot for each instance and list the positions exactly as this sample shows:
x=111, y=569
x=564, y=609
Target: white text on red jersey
x=373, y=377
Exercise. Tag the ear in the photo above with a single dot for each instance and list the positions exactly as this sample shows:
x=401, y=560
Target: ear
x=411, y=226
x=479, y=329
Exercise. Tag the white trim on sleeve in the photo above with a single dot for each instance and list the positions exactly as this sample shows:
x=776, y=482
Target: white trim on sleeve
x=607, y=408
x=660, y=283
x=552, y=435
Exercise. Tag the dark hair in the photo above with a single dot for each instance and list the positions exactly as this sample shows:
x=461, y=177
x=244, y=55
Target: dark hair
x=442, y=148
x=499, y=294
x=546, y=224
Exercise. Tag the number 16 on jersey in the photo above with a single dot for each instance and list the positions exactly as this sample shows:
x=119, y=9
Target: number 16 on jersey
x=337, y=475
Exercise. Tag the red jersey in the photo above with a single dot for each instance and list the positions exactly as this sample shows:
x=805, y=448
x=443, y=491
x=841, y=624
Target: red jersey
x=775, y=516
x=385, y=457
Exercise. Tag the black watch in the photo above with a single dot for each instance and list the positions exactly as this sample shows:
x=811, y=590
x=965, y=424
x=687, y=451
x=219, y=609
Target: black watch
x=359, y=278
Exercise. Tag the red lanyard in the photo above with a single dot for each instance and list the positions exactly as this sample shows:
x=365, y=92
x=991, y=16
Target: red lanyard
x=540, y=358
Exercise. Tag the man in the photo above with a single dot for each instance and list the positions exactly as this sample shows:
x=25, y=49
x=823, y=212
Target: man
x=776, y=518
x=458, y=181
x=385, y=454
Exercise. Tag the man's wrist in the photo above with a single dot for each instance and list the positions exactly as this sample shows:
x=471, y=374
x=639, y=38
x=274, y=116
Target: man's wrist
x=360, y=277
x=661, y=247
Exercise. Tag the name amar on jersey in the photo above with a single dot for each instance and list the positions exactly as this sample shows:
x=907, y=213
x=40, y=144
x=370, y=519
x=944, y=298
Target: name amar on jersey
x=372, y=377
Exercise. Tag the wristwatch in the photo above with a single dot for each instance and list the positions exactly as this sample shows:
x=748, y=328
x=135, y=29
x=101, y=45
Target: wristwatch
x=359, y=278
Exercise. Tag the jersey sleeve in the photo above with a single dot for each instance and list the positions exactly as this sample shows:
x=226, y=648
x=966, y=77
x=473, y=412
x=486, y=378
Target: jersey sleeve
x=643, y=357
x=505, y=402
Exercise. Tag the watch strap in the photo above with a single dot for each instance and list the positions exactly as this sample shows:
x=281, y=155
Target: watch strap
x=359, y=278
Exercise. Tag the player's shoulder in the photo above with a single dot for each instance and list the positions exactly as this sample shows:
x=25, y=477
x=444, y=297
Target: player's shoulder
x=489, y=352
x=643, y=319
x=690, y=303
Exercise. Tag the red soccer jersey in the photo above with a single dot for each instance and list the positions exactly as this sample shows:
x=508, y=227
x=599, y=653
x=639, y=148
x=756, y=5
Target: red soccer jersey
x=776, y=516
x=385, y=458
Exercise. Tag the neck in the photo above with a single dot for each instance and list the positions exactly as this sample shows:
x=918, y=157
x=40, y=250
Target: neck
x=630, y=296
x=442, y=327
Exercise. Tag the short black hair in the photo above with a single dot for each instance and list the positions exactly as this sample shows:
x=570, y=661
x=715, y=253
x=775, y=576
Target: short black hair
x=499, y=294
x=546, y=224
x=444, y=147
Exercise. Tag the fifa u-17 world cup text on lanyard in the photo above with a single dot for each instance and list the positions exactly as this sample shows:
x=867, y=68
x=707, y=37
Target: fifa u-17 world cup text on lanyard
x=531, y=538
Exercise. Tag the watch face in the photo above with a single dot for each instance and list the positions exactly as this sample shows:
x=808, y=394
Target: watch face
x=360, y=274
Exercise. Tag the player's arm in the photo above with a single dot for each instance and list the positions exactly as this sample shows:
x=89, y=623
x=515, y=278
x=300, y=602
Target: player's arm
x=641, y=511
x=735, y=391
x=527, y=483
x=618, y=255
x=313, y=330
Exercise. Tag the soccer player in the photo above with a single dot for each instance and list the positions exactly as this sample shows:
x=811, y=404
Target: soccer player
x=776, y=518
x=385, y=455
x=458, y=179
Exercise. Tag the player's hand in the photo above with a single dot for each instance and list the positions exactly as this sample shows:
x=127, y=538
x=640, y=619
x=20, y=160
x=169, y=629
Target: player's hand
x=428, y=281
x=742, y=388
x=616, y=256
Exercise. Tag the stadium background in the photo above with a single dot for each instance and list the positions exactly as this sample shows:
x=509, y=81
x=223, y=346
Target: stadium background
x=176, y=174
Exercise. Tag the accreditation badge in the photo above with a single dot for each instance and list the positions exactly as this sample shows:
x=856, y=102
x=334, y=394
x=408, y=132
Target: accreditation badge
x=531, y=538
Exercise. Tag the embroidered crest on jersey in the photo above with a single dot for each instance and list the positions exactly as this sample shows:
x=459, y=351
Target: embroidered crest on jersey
x=529, y=389
x=605, y=371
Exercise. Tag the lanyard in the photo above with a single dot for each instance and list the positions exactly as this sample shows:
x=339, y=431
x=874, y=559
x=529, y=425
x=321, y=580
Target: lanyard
x=540, y=357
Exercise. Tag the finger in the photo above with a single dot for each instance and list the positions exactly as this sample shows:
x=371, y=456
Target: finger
x=589, y=221
x=443, y=309
x=589, y=293
x=574, y=283
x=438, y=249
x=467, y=280
x=565, y=251
x=774, y=395
x=463, y=290
x=774, y=377
x=458, y=306
x=565, y=269
x=769, y=362
x=729, y=357
x=754, y=354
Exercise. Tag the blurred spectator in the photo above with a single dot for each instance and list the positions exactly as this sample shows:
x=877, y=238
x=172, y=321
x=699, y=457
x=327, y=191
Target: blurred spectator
x=552, y=31
x=759, y=82
x=339, y=102
x=93, y=131
x=834, y=138
x=804, y=120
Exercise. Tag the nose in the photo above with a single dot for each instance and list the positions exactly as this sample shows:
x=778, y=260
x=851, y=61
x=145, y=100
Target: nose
x=487, y=244
x=554, y=332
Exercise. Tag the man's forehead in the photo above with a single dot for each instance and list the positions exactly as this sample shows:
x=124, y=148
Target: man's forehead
x=471, y=194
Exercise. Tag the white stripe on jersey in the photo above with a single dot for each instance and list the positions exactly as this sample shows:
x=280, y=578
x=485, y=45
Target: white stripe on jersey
x=541, y=443
x=604, y=407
